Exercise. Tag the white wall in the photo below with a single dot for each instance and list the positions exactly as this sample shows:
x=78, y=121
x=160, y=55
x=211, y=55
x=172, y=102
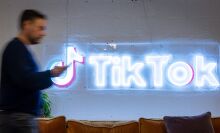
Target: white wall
x=91, y=21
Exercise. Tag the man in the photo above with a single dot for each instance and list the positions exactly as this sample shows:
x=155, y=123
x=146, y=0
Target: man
x=21, y=81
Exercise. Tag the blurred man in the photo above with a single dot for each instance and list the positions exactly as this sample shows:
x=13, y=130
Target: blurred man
x=21, y=81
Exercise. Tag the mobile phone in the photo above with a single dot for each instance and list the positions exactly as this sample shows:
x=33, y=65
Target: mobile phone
x=69, y=65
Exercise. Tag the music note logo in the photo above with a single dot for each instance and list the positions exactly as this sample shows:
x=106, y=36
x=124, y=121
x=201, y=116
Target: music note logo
x=72, y=57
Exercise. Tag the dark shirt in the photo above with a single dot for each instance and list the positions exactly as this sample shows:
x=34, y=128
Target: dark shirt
x=20, y=80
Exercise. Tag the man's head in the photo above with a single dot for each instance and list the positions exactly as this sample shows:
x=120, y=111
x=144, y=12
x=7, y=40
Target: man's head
x=33, y=25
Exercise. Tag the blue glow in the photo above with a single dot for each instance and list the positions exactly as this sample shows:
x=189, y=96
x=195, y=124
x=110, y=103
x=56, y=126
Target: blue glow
x=123, y=73
x=180, y=73
x=205, y=72
x=157, y=63
x=71, y=58
x=126, y=66
x=134, y=70
x=100, y=63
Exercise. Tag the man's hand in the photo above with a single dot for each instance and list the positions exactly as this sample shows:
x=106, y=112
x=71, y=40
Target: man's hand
x=58, y=70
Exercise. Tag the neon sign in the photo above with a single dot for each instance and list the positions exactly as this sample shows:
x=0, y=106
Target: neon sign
x=179, y=73
x=124, y=71
x=121, y=66
x=72, y=58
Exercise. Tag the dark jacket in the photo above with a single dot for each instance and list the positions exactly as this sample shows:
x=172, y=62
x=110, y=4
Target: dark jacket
x=20, y=80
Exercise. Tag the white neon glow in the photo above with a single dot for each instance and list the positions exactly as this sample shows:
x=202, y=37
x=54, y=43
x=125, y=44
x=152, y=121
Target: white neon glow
x=204, y=72
x=100, y=63
x=71, y=57
x=157, y=64
x=131, y=73
x=180, y=73
x=116, y=72
x=123, y=73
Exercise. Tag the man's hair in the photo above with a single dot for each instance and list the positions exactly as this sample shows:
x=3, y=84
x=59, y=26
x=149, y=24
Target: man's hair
x=29, y=15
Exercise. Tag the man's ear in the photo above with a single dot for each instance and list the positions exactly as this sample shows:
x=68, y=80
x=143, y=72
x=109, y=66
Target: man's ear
x=27, y=24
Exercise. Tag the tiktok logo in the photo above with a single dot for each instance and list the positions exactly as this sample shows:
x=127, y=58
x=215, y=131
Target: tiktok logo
x=179, y=73
x=72, y=57
x=120, y=71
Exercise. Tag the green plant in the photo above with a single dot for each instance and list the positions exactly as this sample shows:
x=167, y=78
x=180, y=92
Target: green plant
x=46, y=107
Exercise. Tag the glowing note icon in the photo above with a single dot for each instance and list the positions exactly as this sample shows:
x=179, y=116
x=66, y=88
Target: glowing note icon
x=71, y=58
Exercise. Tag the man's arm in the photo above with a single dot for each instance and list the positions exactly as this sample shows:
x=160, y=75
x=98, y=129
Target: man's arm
x=22, y=72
